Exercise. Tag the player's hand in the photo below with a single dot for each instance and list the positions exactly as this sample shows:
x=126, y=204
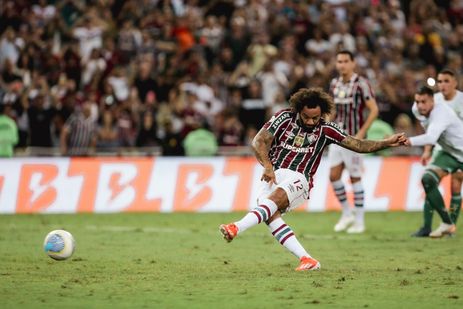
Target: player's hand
x=269, y=175
x=397, y=139
x=425, y=157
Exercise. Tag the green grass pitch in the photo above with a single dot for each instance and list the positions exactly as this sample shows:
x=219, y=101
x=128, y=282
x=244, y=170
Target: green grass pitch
x=180, y=261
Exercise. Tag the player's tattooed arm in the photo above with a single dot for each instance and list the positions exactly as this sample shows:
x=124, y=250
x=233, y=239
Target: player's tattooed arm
x=365, y=146
x=261, y=146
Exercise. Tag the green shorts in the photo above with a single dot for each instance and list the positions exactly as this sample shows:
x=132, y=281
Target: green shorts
x=446, y=162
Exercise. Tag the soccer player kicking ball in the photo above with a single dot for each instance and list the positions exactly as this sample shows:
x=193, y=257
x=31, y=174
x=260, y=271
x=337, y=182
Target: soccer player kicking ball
x=289, y=147
x=443, y=127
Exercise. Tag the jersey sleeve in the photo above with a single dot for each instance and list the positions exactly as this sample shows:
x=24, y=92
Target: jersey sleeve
x=334, y=133
x=278, y=122
x=437, y=125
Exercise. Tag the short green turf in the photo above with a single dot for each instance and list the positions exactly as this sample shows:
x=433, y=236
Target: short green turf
x=179, y=260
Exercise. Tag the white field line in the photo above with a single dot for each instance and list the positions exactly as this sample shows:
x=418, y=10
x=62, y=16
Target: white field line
x=167, y=230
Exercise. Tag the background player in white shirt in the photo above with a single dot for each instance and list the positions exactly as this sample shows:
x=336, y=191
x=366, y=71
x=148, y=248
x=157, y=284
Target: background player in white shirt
x=443, y=127
x=447, y=83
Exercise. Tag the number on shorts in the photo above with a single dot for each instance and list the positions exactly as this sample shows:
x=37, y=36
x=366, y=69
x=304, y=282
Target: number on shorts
x=299, y=186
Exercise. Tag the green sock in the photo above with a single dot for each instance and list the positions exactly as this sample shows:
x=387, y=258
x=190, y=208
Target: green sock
x=427, y=215
x=430, y=182
x=455, y=206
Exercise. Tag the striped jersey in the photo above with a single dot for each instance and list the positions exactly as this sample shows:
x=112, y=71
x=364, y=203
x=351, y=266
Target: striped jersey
x=297, y=148
x=349, y=99
x=82, y=131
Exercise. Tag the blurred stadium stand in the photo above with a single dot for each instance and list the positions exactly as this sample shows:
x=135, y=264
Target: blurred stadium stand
x=153, y=70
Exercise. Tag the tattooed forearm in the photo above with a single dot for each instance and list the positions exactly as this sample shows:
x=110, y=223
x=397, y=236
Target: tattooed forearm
x=261, y=146
x=363, y=146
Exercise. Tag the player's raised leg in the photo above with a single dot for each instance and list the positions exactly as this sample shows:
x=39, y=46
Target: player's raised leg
x=260, y=214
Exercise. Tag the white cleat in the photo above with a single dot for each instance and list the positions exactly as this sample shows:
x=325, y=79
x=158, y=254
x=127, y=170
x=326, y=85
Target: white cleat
x=356, y=228
x=344, y=223
x=443, y=229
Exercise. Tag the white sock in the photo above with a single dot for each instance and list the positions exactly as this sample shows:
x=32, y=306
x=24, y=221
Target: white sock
x=285, y=236
x=261, y=213
x=358, y=198
x=340, y=191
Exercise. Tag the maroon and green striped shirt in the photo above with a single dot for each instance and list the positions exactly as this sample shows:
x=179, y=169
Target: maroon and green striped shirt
x=349, y=99
x=297, y=148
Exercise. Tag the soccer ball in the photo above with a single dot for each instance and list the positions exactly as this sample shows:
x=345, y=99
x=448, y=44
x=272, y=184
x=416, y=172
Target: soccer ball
x=59, y=244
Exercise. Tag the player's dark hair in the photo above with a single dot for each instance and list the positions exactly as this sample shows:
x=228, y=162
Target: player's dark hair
x=425, y=90
x=448, y=72
x=346, y=52
x=312, y=97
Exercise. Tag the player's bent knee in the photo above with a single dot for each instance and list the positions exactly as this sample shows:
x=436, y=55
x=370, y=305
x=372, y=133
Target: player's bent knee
x=429, y=180
x=276, y=215
x=280, y=198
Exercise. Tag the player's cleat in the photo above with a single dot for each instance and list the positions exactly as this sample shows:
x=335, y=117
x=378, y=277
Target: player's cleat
x=229, y=231
x=422, y=232
x=344, y=223
x=308, y=263
x=356, y=228
x=443, y=229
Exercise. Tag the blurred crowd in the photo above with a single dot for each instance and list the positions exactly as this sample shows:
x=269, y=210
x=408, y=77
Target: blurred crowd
x=146, y=73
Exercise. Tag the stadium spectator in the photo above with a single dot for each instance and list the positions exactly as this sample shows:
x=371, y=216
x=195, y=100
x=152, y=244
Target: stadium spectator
x=148, y=133
x=200, y=142
x=231, y=131
x=41, y=115
x=78, y=136
x=352, y=96
x=445, y=128
x=144, y=82
x=8, y=132
x=107, y=132
x=171, y=142
x=253, y=109
x=282, y=144
x=83, y=45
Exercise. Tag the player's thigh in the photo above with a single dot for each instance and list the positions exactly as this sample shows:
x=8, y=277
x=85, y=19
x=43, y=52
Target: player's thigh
x=293, y=183
x=457, y=181
x=335, y=161
x=353, y=163
x=335, y=155
x=445, y=162
x=296, y=187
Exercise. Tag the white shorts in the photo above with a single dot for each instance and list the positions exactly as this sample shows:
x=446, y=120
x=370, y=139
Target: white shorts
x=353, y=161
x=294, y=183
